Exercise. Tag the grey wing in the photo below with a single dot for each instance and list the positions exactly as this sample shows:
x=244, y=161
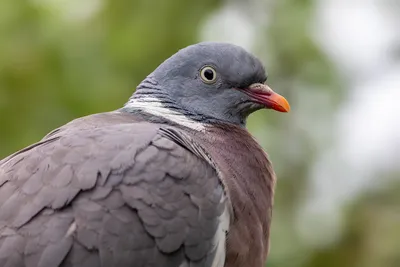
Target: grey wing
x=120, y=195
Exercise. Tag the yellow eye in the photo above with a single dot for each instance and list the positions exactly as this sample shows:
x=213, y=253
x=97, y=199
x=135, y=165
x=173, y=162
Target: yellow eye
x=208, y=74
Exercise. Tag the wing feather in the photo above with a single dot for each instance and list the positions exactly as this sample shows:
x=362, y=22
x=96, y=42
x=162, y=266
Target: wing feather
x=122, y=194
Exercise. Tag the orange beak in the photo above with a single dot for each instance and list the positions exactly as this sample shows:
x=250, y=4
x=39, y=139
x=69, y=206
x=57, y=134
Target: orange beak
x=264, y=95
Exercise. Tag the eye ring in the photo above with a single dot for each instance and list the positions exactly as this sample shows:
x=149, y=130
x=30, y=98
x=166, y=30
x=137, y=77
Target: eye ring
x=208, y=74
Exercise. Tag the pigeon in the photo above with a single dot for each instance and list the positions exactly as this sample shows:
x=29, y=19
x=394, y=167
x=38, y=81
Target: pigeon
x=171, y=179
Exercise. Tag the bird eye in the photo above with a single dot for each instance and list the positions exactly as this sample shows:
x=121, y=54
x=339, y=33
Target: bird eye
x=208, y=74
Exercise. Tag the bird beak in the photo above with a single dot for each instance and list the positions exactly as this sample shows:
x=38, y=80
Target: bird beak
x=264, y=95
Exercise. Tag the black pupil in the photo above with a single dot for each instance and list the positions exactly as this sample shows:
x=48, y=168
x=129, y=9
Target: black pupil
x=209, y=74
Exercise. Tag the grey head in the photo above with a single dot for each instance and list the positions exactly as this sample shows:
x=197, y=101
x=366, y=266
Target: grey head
x=207, y=82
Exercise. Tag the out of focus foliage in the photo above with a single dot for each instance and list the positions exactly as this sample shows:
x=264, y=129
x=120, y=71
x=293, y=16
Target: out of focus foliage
x=58, y=61
x=68, y=58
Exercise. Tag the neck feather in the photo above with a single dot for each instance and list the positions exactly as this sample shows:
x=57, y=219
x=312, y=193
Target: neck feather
x=149, y=98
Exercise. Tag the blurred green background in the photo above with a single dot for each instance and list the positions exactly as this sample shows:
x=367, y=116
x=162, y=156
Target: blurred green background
x=335, y=154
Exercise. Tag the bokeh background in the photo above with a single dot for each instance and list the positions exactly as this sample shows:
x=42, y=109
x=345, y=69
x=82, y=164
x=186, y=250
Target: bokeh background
x=337, y=154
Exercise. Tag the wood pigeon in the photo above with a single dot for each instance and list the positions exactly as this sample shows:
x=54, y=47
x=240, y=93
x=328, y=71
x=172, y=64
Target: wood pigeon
x=172, y=179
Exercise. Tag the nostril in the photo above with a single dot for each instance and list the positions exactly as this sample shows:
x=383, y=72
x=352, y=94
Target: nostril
x=262, y=88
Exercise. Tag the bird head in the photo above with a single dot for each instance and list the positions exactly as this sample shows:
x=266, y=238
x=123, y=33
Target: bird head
x=217, y=81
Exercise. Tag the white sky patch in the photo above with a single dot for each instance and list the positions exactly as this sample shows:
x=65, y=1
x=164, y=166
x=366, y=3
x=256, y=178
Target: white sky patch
x=374, y=141
x=358, y=36
x=355, y=34
x=229, y=25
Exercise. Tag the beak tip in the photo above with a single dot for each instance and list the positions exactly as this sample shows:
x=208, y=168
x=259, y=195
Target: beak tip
x=286, y=106
x=281, y=104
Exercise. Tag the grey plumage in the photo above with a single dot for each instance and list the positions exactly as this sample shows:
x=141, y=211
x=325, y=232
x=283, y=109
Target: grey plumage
x=164, y=181
x=124, y=187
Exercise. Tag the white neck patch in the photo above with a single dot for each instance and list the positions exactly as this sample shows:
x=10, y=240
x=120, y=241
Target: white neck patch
x=153, y=106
